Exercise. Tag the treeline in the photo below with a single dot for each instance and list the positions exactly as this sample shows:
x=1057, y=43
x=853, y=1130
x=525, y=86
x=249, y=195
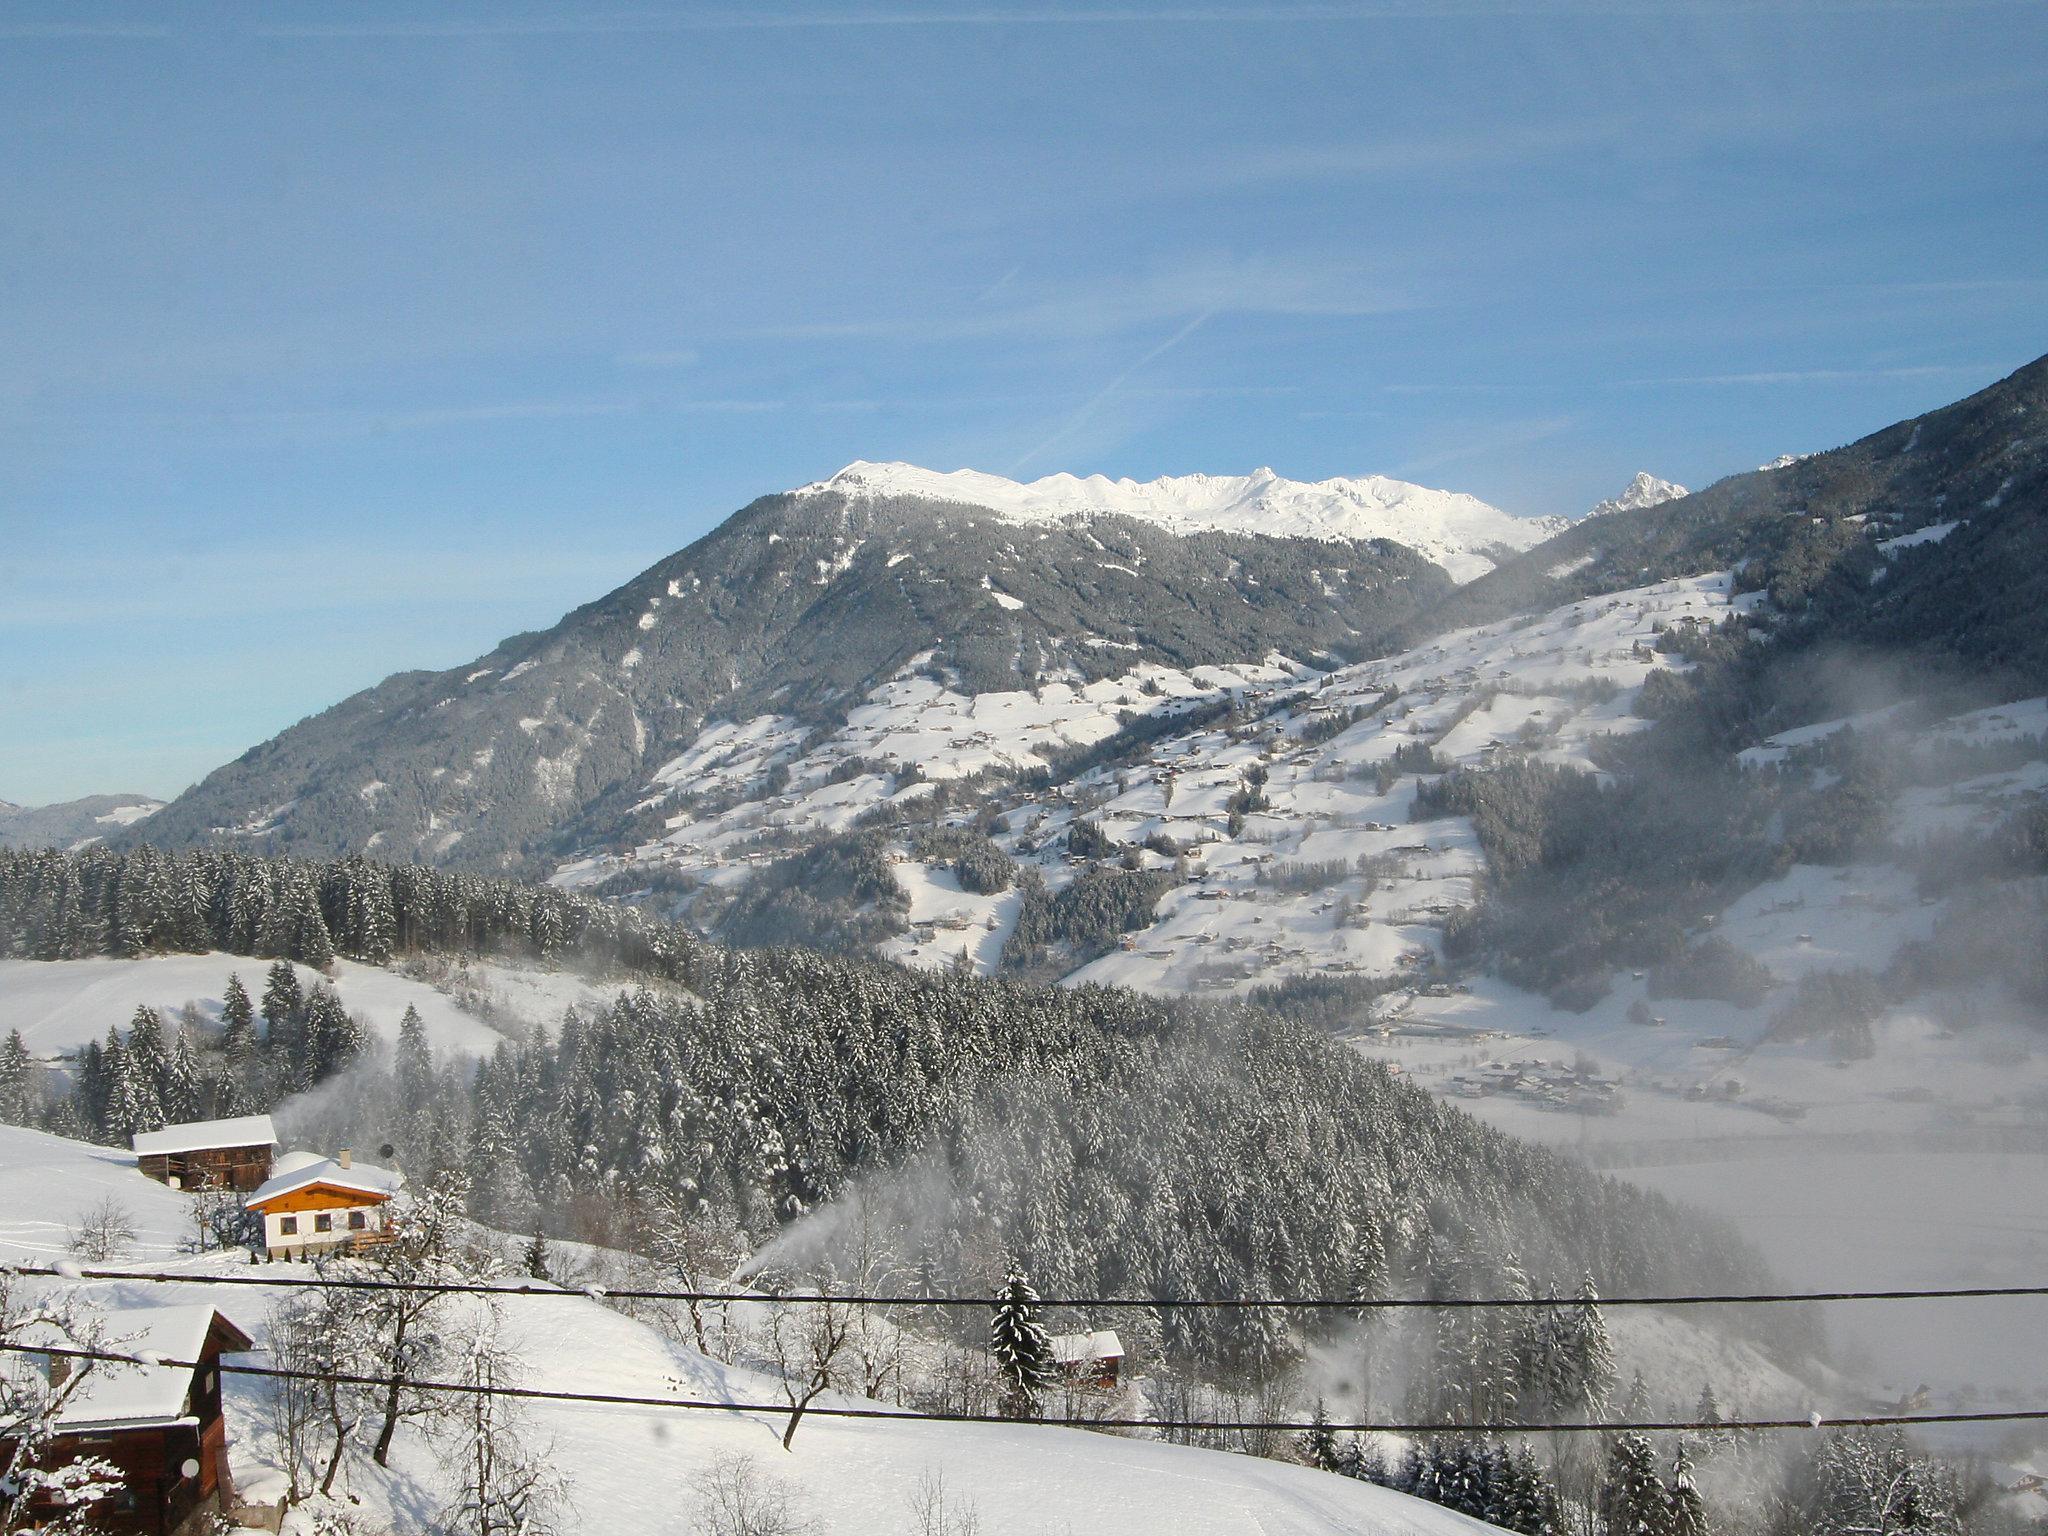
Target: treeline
x=838, y=894
x=169, y=1071
x=1083, y=919
x=71, y=906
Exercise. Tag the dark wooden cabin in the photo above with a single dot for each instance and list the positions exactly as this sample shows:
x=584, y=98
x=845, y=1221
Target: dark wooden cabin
x=160, y=1424
x=1092, y=1360
x=209, y=1154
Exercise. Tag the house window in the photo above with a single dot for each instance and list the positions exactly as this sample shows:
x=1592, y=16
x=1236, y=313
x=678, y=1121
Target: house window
x=324, y=1222
x=288, y=1225
x=357, y=1221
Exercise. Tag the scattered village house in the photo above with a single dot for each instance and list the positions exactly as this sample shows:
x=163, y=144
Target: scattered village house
x=1090, y=1359
x=209, y=1154
x=311, y=1203
x=159, y=1423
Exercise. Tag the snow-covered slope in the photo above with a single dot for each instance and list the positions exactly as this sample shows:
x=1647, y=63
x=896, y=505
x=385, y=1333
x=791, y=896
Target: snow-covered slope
x=638, y=1471
x=73, y=823
x=1646, y=490
x=1454, y=530
x=59, y=1005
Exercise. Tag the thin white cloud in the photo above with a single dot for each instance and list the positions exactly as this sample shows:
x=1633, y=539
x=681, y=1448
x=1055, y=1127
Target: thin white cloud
x=675, y=357
x=1116, y=306
x=1499, y=437
x=1102, y=396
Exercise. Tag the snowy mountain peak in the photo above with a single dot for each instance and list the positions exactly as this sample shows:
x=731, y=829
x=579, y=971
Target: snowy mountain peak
x=1451, y=528
x=1646, y=490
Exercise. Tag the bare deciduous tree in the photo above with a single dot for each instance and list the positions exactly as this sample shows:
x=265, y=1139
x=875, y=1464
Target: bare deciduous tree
x=103, y=1231
x=935, y=1510
x=736, y=1498
x=807, y=1340
x=501, y=1477
x=320, y=1336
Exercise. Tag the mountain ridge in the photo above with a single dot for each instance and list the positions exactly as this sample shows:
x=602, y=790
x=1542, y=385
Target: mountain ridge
x=1452, y=528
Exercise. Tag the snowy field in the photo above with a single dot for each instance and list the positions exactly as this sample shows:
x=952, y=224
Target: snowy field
x=635, y=1471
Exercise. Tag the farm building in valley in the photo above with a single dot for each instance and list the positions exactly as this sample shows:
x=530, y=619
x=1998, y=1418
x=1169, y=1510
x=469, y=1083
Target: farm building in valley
x=311, y=1203
x=209, y=1154
x=160, y=1424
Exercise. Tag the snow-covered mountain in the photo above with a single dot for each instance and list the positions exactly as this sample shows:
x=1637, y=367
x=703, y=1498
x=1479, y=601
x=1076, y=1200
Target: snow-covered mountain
x=1459, y=532
x=1645, y=491
x=71, y=823
x=805, y=603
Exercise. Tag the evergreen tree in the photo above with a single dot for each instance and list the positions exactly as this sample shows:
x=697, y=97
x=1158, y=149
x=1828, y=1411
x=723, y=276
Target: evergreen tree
x=282, y=1001
x=311, y=941
x=95, y=1085
x=237, y=1026
x=17, y=1077
x=333, y=1038
x=1708, y=1409
x=1632, y=1499
x=1319, y=1442
x=1529, y=1502
x=181, y=1090
x=1580, y=1359
x=413, y=1063
x=1688, y=1508
x=538, y=1254
x=133, y=1103
x=1022, y=1352
x=1635, y=1405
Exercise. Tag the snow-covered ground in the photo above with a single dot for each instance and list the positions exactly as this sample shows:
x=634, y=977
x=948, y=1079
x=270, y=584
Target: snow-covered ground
x=636, y=1471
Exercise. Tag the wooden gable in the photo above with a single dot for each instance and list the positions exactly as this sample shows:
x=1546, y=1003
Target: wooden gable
x=317, y=1197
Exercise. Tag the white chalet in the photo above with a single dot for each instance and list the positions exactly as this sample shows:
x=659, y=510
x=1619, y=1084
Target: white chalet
x=311, y=1203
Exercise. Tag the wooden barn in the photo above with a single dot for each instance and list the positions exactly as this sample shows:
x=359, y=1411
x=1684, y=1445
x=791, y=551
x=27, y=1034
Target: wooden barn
x=209, y=1154
x=311, y=1203
x=160, y=1424
x=1090, y=1359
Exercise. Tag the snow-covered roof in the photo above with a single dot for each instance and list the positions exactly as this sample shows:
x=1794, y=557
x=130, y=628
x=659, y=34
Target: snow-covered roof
x=298, y=1170
x=136, y=1396
x=1078, y=1348
x=197, y=1135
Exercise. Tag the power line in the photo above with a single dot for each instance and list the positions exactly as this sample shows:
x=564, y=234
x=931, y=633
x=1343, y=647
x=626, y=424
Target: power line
x=1176, y=1303
x=912, y=1415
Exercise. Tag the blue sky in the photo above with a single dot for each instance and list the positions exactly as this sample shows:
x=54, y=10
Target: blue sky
x=340, y=340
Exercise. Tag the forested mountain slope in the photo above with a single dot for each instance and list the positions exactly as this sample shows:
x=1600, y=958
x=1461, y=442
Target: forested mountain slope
x=1119, y=1144
x=1241, y=827
x=804, y=603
